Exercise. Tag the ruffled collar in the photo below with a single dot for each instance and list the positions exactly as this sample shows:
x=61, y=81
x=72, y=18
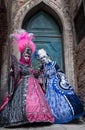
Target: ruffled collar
x=50, y=64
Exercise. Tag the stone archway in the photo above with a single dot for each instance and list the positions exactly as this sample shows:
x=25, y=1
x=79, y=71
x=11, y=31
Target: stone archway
x=63, y=14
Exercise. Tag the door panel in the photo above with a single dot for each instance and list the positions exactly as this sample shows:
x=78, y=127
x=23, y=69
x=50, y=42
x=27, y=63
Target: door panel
x=47, y=35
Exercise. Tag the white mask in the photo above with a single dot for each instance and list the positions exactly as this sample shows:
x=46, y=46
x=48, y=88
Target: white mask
x=44, y=58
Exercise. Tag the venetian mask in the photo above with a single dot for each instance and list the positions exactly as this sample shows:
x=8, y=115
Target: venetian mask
x=27, y=53
x=43, y=57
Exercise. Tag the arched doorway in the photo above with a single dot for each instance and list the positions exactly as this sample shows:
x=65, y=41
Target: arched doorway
x=47, y=34
x=28, y=10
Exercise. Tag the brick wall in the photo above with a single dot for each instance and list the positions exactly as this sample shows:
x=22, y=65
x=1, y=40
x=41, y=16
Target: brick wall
x=79, y=52
x=5, y=25
x=80, y=64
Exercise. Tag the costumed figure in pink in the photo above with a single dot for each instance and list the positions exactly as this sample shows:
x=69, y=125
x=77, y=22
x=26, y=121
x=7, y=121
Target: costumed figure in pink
x=25, y=102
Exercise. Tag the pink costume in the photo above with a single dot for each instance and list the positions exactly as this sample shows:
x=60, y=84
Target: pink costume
x=28, y=103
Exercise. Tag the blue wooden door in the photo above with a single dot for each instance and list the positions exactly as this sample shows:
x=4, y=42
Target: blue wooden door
x=47, y=35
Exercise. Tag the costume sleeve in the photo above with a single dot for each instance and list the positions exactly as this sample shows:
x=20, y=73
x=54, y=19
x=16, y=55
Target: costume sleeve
x=14, y=76
x=56, y=67
x=16, y=66
x=61, y=83
x=11, y=83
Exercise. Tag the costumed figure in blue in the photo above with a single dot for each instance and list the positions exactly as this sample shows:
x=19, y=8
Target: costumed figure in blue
x=63, y=101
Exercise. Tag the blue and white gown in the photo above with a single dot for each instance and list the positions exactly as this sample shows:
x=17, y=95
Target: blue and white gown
x=64, y=103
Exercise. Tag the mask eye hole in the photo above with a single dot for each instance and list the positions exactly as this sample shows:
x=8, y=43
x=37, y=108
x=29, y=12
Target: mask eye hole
x=27, y=51
x=42, y=57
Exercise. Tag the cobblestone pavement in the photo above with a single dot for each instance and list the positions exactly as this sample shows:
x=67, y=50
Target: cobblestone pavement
x=78, y=124
x=71, y=126
x=52, y=127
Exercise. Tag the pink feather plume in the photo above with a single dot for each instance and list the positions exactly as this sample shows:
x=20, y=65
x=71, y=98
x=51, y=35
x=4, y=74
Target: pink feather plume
x=24, y=39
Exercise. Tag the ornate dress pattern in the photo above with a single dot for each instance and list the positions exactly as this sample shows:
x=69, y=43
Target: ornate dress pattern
x=28, y=103
x=64, y=103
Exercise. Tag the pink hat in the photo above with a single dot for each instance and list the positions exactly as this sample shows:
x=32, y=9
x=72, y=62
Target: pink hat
x=23, y=39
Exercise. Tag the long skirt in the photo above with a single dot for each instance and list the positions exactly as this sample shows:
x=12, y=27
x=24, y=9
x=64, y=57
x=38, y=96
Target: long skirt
x=27, y=105
x=65, y=105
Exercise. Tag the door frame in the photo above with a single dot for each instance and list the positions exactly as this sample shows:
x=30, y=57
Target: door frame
x=60, y=14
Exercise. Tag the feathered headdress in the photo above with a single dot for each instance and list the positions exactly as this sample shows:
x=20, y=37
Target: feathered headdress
x=23, y=39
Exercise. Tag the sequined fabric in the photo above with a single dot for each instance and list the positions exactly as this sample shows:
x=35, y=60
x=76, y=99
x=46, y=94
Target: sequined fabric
x=37, y=108
x=64, y=103
x=28, y=103
x=14, y=113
